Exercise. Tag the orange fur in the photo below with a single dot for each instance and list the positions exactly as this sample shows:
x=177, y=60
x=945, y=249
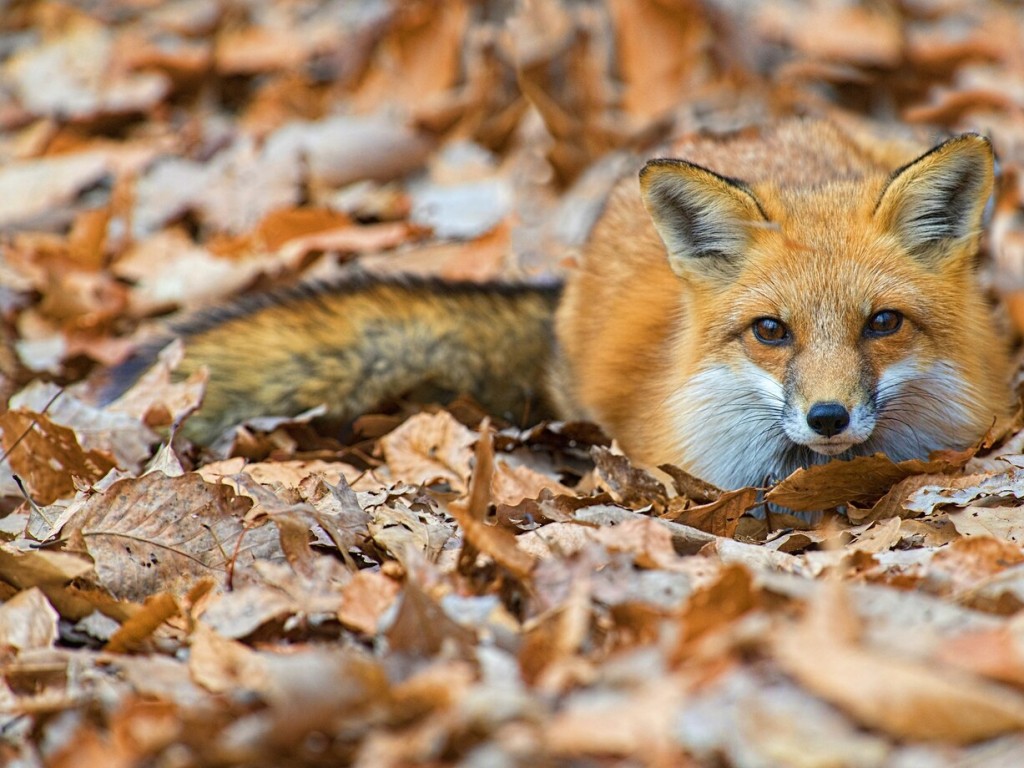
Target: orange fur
x=657, y=346
x=656, y=339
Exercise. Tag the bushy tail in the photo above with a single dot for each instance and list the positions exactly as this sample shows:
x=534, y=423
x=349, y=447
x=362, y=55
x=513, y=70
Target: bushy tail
x=355, y=345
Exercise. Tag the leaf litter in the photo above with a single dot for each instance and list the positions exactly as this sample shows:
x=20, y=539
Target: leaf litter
x=437, y=588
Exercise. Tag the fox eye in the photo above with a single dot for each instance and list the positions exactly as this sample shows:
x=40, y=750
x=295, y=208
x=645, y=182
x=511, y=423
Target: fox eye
x=770, y=330
x=883, y=323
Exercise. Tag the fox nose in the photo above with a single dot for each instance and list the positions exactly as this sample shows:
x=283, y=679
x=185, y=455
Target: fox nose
x=828, y=418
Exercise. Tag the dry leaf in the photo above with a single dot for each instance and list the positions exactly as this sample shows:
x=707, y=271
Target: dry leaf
x=47, y=456
x=223, y=666
x=906, y=698
x=155, y=611
x=365, y=601
x=28, y=621
x=429, y=449
x=862, y=480
x=164, y=534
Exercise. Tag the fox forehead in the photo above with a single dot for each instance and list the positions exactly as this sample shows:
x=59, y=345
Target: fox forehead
x=818, y=288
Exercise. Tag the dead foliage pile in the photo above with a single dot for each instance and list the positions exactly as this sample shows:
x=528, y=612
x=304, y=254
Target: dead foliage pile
x=447, y=589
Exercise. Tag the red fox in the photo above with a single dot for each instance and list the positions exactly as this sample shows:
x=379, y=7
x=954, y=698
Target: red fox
x=775, y=298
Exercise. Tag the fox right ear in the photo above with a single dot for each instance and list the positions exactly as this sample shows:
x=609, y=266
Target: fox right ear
x=705, y=220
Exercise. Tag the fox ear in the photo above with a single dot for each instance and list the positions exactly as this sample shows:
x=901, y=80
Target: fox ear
x=705, y=220
x=935, y=204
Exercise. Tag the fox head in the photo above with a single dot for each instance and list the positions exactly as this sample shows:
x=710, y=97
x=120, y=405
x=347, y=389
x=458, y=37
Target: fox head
x=838, y=320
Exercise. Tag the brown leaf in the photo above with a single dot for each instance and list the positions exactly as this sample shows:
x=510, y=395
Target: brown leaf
x=126, y=439
x=40, y=567
x=994, y=653
x=155, y=611
x=241, y=612
x=419, y=58
x=337, y=511
x=714, y=607
x=662, y=45
x=34, y=188
x=254, y=50
x=961, y=491
x=646, y=539
x=720, y=517
x=47, y=456
x=893, y=503
x=961, y=567
x=168, y=271
x=422, y=628
x=628, y=485
x=691, y=487
x=1003, y=523
x=221, y=665
x=156, y=399
x=862, y=481
x=163, y=534
x=74, y=75
x=428, y=449
x=512, y=484
x=905, y=698
x=365, y=600
x=478, y=536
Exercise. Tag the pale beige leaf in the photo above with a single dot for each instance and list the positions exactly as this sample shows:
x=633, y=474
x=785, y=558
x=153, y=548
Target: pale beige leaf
x=906, y=698
x=222, y=665
x=27, y=621
x=430, y=448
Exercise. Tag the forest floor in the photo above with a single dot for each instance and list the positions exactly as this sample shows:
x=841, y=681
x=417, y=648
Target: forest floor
x=448, y=589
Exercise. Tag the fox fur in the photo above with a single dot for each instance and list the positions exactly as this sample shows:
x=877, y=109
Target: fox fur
x=758, y=302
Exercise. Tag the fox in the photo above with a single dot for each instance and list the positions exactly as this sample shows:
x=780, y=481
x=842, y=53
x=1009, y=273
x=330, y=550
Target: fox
x=751, y=304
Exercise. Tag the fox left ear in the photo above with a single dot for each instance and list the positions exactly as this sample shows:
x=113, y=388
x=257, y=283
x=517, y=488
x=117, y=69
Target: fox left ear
x=935, y=204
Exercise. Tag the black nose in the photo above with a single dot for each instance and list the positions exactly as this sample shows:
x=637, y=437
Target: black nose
x=828, y=418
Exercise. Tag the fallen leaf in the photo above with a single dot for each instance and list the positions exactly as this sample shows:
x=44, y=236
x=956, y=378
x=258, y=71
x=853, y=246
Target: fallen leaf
x=861, y=481
x=983, y=520
x=28, y=621
x=155, y=611
x=721, y=516
x=902, y=697
x=512, y=484
x=471, y=514
x=962, y=491
x=221, y=665
x=429, y=449
x=73, y=75
x=163, y=534
x=366, y=599
x=628, y=485
x=126, y=439
x=47, y=456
